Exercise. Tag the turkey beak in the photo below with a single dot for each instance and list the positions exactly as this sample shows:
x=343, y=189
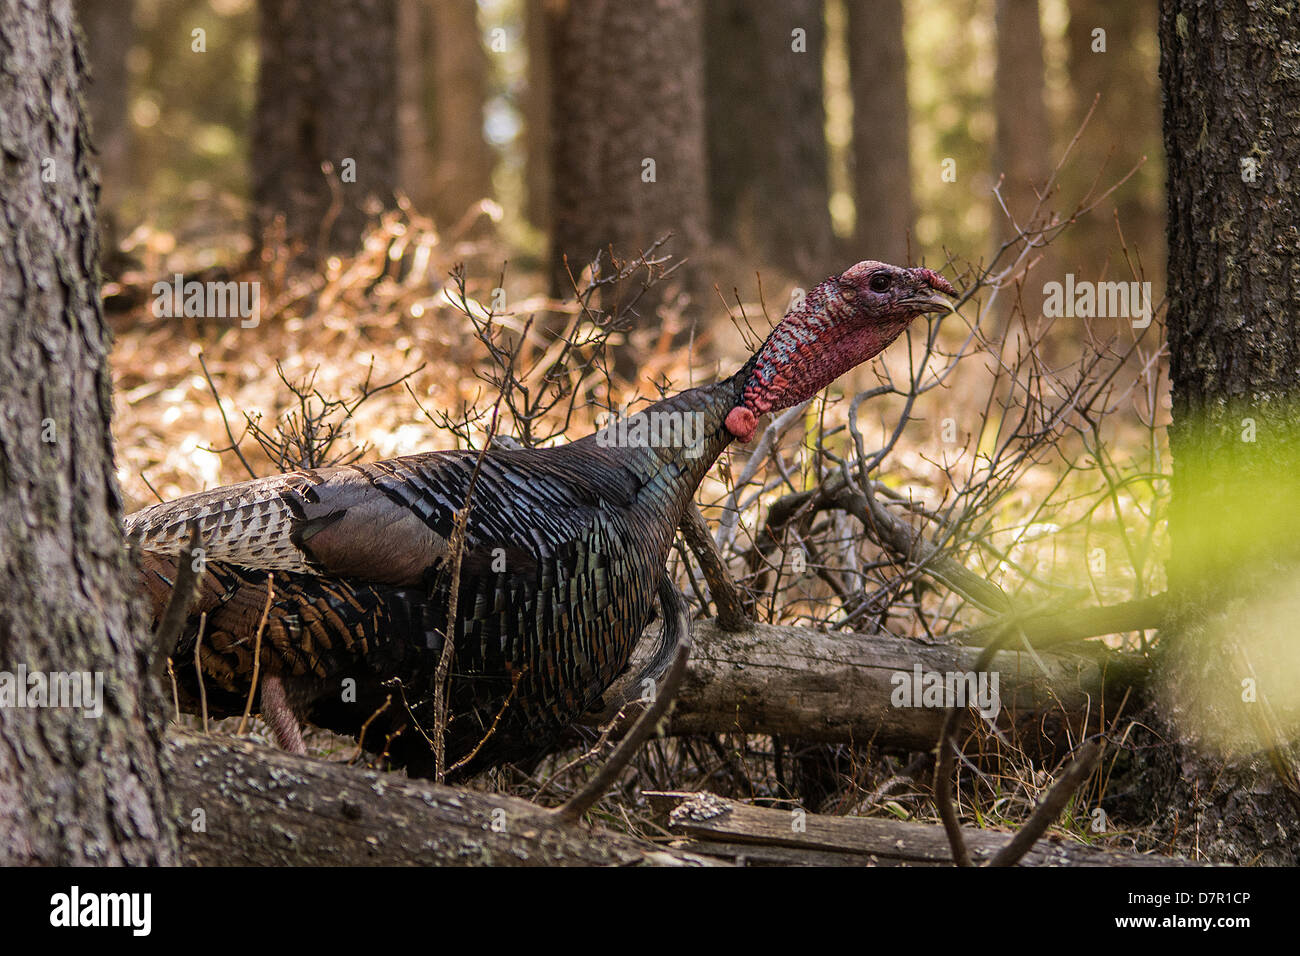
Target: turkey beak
x=928, y=300
x=928, y=291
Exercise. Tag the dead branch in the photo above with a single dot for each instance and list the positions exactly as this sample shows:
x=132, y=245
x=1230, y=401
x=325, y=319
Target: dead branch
x=230, y=435
x=908, y=545
x=732, y=615
x=442, y=674
x=585, y=799
x=257, y=652
x=942, y=787
x=1050, y=628
x=948, y=747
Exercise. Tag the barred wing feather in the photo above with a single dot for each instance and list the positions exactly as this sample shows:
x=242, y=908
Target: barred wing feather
x=334, y=521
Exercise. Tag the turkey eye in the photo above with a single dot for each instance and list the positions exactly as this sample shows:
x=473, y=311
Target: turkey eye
x=880, y=283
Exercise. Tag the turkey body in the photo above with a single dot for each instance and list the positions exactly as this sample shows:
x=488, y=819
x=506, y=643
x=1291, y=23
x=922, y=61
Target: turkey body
x=564, y=550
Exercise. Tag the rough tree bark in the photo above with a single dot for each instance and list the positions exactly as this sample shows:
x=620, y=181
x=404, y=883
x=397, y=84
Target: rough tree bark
x=265, y=807
x=769, y=176
x=1230, y=72
x=326, y=93
x=628, y=138
x=882, y=175
x=74, y=789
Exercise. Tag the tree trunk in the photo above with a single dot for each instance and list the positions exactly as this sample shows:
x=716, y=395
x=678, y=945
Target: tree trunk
x=74, y=788
x=109, y=30
x=882, y=177
x=415, y=164
x=628, y=139
x=1024, y=139
x=1125, y=127
x=464, y=164
x=1229, y=72
x=537, y=116
x=324, y=150
x=770, y=181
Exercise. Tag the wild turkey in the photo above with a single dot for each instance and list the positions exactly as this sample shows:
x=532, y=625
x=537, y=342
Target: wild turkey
x=564, y=550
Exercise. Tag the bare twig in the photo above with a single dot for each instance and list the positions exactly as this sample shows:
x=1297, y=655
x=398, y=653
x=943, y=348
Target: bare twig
x=234, y=444
x=257, y=652
x=361, y=737
x=514, y=686
x=943, y=768
x=456, y=548
x=184, y=593
x=945, y=759
x=198, y=669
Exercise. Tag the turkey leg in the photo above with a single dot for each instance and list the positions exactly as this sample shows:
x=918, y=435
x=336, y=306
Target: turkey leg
x=280, y=717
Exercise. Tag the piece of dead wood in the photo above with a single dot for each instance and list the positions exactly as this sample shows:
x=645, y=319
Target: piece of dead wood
x=732, y=615
x=237, y=803
x=714, y=826
x=838, y=687
x=1051, y=628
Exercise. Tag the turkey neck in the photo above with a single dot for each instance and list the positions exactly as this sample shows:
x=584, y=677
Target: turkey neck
x=669, y=446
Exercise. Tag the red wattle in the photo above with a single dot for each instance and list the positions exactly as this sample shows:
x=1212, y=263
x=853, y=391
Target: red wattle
x=742, y=423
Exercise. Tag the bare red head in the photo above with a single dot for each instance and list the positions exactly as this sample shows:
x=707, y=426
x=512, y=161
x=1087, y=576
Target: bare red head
x=843, y=322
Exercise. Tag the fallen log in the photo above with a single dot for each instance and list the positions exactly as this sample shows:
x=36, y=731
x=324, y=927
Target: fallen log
x=240, y=804
x=760, y=836
x=839, y=687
